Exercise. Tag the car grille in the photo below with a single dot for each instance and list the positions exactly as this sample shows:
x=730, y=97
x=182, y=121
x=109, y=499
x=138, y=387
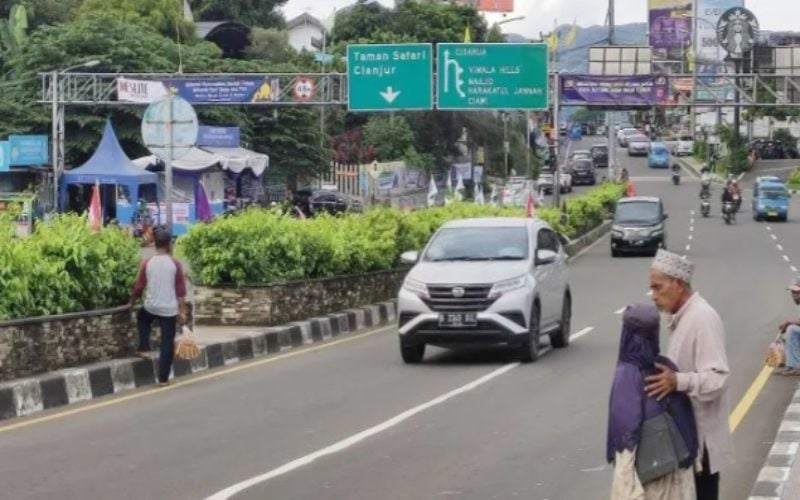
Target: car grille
x=475, y=298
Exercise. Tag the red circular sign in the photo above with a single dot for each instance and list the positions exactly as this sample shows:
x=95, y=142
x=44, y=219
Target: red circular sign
x=303, y=89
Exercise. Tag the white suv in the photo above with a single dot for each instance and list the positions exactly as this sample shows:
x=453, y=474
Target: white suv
x=493, y=281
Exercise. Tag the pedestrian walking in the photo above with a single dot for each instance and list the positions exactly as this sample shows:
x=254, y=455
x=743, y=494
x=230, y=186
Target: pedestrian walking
x=791, y=329
x=162, y=282
x=697, y=346
x=630, y=407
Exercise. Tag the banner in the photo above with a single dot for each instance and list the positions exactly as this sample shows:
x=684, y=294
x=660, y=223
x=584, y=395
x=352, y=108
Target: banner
x=219, y=137
x=140, y=91
x=670, y=23
x=710, y=57
x=626, y=91
x=29, y=150
x=5, y=156
x=245, y=89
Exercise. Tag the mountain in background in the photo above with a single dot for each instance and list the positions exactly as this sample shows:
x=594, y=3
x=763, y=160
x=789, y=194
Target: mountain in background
x=575, y=58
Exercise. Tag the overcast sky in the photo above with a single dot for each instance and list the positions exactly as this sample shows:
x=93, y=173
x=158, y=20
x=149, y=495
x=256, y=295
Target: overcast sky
x=774, y=15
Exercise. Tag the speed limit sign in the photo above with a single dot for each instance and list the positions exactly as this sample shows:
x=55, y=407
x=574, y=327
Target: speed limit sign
x=303, y=89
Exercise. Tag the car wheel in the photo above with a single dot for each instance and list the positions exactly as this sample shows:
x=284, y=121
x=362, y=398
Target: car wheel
x=412, y=353
x=614, y=253
x=529, y=350
x=783, y=218
x=560, y=338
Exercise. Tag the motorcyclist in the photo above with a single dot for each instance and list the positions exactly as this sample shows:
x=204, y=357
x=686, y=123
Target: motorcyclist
x=705, y=182
x=736, y=193
x=623, y=175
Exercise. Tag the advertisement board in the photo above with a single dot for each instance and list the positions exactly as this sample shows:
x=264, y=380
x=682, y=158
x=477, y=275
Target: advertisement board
x=618, y=91
x=670, y=23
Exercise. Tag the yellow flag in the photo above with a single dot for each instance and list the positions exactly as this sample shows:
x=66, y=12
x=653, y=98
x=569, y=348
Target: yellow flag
x=467, y=35
x=569, y=40
x=552, y=41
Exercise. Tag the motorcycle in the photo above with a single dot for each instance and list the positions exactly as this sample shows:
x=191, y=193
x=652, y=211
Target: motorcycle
x=676, y=175
x=705, y=189
x=728, y=212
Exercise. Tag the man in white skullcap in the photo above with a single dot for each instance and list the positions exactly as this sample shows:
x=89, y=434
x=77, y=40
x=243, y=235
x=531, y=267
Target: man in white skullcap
x=791, y=328
x=697, y=347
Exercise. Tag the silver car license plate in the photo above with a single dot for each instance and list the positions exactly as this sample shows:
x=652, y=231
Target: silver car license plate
x=456, y=320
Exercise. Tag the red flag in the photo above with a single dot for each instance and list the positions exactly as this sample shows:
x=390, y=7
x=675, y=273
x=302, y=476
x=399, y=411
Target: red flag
x=630, y=190
x=531, y=206
x=95, y=212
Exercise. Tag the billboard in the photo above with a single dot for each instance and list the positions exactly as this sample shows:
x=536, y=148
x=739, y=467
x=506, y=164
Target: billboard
x=616, y=91
x=710, y=55
x=489, y=5
x=245, y=89
x=670, y=23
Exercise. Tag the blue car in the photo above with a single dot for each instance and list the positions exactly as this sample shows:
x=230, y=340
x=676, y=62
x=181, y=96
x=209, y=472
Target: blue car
x=771, y=201
x=658, y=157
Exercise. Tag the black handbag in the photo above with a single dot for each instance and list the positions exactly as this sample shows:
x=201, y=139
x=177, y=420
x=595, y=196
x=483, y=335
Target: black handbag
x=661, y=448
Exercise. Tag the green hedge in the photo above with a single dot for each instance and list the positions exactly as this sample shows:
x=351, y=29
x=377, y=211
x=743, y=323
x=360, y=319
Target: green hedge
x=260, y=246
x=63, y=267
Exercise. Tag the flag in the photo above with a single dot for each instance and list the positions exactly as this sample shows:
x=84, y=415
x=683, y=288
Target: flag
x=202, y=210
x=479, y=195
x=459, y=192
x=630, y=190
x=448, y=194
x=467, y=35
x=530, y=209
x=432, y=192
x=552, y=41
x=569, y=39
x=95, y=212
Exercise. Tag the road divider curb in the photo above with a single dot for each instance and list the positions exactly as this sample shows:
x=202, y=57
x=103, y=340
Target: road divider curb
x=23, y=397
x=574, y=247
x=777, y=469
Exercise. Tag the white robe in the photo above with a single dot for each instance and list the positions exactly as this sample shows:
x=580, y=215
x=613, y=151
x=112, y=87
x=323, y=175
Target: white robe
x=678, y=485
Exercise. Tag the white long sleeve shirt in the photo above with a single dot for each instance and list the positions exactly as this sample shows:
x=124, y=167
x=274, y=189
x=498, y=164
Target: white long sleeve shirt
x=697, y=346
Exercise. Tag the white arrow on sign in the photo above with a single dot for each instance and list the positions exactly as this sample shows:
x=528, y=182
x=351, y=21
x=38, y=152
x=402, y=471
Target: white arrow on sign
x=390, y=95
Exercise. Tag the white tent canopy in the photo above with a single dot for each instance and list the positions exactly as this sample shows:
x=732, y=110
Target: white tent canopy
x=236, y=160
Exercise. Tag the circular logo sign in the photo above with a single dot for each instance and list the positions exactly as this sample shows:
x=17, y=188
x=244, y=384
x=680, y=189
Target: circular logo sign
x=458, y=292
x=303, y=89
x=737, y=31
x=170, y=127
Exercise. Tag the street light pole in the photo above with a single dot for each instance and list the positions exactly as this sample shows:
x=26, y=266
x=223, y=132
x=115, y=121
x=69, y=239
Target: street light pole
x=693, y=114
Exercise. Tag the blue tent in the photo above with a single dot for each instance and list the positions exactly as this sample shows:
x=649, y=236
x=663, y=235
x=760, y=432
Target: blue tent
x=108, y=165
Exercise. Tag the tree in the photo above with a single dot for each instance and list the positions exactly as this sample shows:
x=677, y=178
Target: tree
x=261, y=13
x=13, y=33
x=47, y=11
x=271, y=45
x=166, y=16
x=391, y=137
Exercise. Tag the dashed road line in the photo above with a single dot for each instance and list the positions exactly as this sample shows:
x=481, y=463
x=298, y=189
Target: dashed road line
x=620, y=311
x=769, y=228
x=690, y=237
x=688, y=248
x=786, y=258
x=775, y=238
x=780, y=247
x=794, y=269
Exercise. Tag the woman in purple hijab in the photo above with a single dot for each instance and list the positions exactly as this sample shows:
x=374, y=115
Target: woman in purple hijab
x=630, y=406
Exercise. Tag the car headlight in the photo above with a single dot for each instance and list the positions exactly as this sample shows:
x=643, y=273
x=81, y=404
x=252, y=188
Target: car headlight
x=617, y=230
x=416, y=287
x=506, y=286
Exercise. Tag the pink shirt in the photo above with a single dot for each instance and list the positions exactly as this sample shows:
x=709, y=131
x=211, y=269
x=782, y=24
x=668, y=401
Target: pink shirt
x=697, y=346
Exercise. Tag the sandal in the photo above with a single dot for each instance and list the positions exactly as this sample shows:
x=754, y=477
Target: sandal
x=164, y=384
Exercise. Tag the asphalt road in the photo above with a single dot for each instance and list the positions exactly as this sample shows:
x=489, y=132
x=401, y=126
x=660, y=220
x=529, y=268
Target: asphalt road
x=467, y=425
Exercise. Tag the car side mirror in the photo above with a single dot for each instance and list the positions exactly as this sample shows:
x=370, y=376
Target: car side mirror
x=666, y=216
x=545, y=257
x=410, y=257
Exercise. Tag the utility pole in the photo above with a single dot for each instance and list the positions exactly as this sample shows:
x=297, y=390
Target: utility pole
x=612, y=151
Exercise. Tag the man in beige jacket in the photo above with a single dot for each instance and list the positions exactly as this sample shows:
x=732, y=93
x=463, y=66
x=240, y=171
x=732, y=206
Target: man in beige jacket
x=697, y=346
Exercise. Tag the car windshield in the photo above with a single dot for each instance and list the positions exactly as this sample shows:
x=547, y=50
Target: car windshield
x=638, y=138
x=775, y=193
x=479, y=244
x=599, y=151
x=660, y=150
x=583, y=164
x=641, y=211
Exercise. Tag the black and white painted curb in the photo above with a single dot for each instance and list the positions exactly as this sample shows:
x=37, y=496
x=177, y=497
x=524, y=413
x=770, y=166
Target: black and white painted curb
x=776, y=471
x=50, y=390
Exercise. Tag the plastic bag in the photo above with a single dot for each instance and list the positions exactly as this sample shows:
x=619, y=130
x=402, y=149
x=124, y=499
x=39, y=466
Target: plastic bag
x=186, y=345
x=776, y=354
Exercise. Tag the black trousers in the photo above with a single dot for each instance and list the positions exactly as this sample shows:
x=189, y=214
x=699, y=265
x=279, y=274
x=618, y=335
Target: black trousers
x=706, y=484
x=168, y=326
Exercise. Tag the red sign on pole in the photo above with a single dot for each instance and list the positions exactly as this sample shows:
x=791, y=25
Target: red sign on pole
x=303, y=89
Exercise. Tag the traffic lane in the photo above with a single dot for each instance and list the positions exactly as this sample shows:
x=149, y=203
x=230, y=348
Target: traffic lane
x=751, y=303
x=220, y=429
x=547, y=442
x=787, y=234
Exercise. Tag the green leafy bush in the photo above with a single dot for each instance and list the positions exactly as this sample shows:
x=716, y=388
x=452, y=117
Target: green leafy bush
x=63, y=267
x=263, y=246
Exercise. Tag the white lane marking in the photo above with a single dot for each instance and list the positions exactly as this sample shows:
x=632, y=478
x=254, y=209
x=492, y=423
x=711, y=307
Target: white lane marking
x=691, y=222
x=688, y=248
x=620, y=311
x=691, y=237
x=786, y=258
x=585, y=331
x=372, y=431
x=357, y=438
x=780, y=248
x=691, y=212
x=775, y=238
x=769, y=228
x=691, y=229
x=794, y=269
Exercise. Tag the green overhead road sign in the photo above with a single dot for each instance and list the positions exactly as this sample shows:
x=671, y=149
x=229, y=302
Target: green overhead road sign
x=492, y=76
x=390, y=77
